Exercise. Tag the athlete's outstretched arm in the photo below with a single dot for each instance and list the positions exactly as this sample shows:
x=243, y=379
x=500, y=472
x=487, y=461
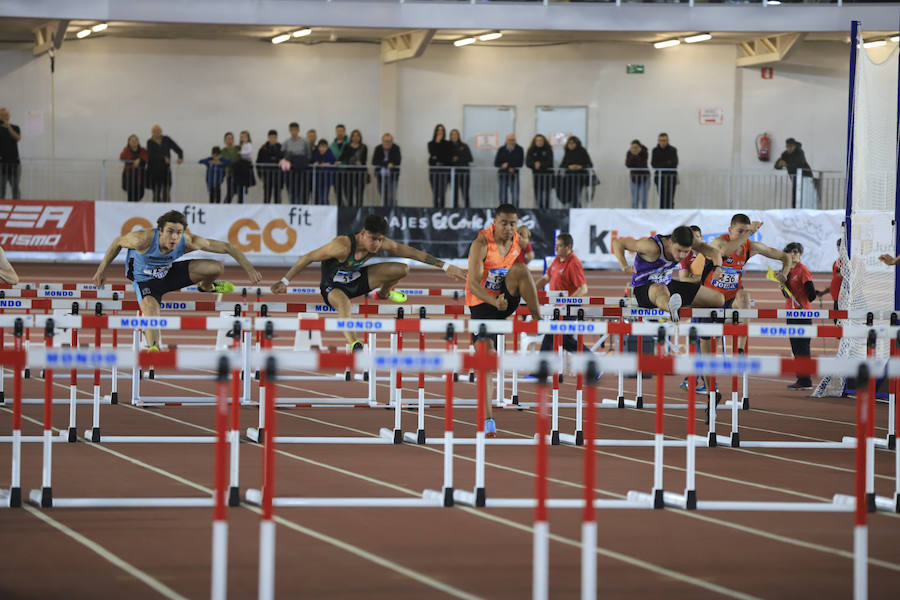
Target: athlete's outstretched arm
x=732, y=245
x=477, y=254
x=769, y=252
x=889, y=260
x=7, y=273
x=196, y=242
x=404, y=251
x=337, y=248
x=710, y=252
x=135, y=240
x=646, y=247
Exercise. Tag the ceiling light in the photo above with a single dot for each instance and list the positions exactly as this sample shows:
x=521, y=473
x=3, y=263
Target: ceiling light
x=464, y=42
x=875, y=43
x=490, y=36
x=666, y=44
x=281, y=38
x=895, y=39
x=302, y=32
x=773, y=2
x=83, y=34
x=700, y=37
x=99, y=27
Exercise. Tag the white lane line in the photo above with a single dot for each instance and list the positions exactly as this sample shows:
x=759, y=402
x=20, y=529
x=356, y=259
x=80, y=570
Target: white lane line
x=157, y=586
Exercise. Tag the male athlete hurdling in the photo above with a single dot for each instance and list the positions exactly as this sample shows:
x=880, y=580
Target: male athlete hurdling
x=151, y=267
x=656, y=258
x=344, y=275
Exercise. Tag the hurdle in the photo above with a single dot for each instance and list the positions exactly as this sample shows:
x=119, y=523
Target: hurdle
x=50, y=357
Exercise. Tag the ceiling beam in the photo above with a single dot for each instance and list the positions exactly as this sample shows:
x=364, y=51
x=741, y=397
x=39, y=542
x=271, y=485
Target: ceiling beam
x=407, y=45
x=49, y=35
x=767, y=49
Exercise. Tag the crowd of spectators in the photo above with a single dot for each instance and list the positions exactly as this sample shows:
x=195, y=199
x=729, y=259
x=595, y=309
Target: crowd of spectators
x=309, y=169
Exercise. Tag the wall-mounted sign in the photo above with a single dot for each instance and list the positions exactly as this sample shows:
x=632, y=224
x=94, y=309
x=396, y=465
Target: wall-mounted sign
x=766, y=72
x=487, y=140
x=634, y=69
x=711, y=116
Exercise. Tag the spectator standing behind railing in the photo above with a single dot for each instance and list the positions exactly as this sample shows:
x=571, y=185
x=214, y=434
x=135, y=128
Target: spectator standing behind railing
x=353, y=169
x=792, y=160
x=386, y=160
x=312, y=139
x=10, y=166
x=665, y=160
x=576, y=175
x=509, y=159
x=323, y=169
x=438, y=158
x=242, y=169
x=460, y=159
x=297, y=153
x=540, y=160
x=337, y=148
x=636, y=161
x=215, y=174
x=267, y=168
x=135, y=168
x=231, y=153
x=159, y=172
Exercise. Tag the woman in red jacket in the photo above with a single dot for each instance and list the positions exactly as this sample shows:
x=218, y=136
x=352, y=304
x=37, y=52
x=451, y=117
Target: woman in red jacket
x=135, y=158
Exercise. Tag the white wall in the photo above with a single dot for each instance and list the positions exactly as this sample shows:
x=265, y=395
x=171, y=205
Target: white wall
x=107, y=88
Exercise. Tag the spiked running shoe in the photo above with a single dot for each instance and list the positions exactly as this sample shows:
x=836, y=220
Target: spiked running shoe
x=674, y=307
x=153, y=349
x=490, y=428
x=356, y=346
x=396, y=296
x=219, y=287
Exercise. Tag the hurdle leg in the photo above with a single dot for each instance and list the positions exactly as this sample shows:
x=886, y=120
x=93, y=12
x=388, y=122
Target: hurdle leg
x=514, y=384
x=220, y=512
x=395, y=392
x=15, y=485
x=712, y=440
x=735, y=435
x=589, y=519
x=371, y=372
x=2, y=346
x=95, y=413
x=501, y=346
x=44, y=496
x=136, y=370
x=234, y=494
x=554, y=425
x=541, y=545
x=420, y=433
x=246, y=347
x=870, y=447
x=658, y=493
x=266, y=588
x=860, y=529
x=745, y=396
x=892, y=409
x=621, y=396
x=73, y=393
x=480, y=495
x=114, y=382
x=448, y=435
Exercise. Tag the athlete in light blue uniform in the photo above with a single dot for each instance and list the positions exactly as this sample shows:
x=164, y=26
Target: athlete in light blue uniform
x=152, y=268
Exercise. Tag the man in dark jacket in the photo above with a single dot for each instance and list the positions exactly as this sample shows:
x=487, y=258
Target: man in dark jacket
x=268, y=170
x=509, y=160
x=159, y=149
x=791, y=160
x=386, y=160
x=665, y=160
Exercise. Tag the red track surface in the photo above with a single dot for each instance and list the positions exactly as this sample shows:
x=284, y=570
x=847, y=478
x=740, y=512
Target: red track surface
x=434, y=552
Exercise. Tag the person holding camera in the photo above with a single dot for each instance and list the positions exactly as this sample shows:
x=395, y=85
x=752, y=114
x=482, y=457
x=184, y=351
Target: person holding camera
x=10, y=170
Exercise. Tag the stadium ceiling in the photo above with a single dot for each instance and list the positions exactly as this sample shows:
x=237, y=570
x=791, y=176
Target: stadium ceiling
x=13, y=30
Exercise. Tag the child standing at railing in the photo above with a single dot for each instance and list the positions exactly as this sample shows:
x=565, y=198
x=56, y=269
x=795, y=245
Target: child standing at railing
x=215, y=174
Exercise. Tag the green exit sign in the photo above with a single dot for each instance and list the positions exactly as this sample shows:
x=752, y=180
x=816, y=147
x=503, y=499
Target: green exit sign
x=634, y=69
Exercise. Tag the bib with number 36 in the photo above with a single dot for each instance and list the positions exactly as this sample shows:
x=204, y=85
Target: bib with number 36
x=495, y=278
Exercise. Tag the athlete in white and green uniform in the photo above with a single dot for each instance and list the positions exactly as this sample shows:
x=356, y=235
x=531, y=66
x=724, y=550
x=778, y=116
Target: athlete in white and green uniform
x=345, y=274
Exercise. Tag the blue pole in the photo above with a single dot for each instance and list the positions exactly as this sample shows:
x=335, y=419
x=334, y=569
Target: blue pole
x=897, y=199
x=848, y=170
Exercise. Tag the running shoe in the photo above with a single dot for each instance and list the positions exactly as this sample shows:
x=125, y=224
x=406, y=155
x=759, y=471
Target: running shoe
x=674, y=307
x=356, y=346
x=219, y=287
x=397, y=296
x=800, y=385
x=153, y=349
x=490, y=428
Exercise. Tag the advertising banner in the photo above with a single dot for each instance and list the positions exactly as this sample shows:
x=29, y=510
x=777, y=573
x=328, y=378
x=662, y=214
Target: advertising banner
x=268, y=234
x=47, y=225
x=448, y=233
x=594, y=230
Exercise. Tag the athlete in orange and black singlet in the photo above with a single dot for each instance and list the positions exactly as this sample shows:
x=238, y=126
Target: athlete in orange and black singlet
x=497, y=283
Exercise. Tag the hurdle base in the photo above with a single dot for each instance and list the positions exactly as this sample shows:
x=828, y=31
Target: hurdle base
x=735, y=439
x=882, y=503
x=114, y=398
x=620, y=402
x=659, y=499
x=464, y=498
x=515, y=399
x=892, y=442
x=415, y=438
x=94, y=435
x=638, y=499
x=690, y=499
x=255, y=435
x=14, y=497
x=686, y=501
x=26, y=374
x=480, y=496
x=871, y=505
x=42, y=497
x=554, y=437
x=745, y=403
x=712, y=440
x=448, y=497
x=572, y=440
x=234, y=496
x=885, y=443
x=73, y=434
x=2, y=397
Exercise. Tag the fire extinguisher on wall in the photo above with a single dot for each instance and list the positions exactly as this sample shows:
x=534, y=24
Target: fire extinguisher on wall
x=763, y=146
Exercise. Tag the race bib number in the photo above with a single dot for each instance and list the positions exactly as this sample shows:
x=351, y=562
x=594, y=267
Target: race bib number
x=495, y=278
x=664, y=276
x=730, y=280
x=346, y=276
x=157, y=272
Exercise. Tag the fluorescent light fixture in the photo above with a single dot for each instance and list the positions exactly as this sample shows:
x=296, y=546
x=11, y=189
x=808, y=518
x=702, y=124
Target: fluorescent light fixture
x=875, y=44
x=302, y=32
x=281, y=38
x=773, y=2
x=666, y=44
x=895, y=39
x=83, y=34
x=99, y=27
x=494, y=35
x=700, y=37
x=464, y=42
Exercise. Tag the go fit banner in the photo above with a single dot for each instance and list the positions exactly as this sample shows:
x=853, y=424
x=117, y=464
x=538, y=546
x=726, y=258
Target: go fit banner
x=268, y=234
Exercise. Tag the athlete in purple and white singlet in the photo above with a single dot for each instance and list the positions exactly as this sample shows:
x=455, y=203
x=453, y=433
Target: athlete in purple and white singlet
x=658, y=271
